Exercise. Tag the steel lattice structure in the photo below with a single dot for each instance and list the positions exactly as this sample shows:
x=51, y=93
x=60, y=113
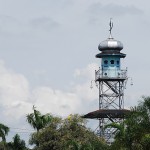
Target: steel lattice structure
x=111, y=97
x=111, y=81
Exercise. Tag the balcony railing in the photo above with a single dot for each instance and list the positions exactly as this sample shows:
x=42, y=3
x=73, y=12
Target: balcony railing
x=110, y=74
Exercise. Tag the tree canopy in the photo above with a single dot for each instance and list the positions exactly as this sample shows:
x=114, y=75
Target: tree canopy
x=134, y=132
x=70, y=133
x=37, y=120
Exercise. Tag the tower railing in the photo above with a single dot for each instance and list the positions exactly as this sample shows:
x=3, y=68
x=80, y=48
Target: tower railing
x=110, y=74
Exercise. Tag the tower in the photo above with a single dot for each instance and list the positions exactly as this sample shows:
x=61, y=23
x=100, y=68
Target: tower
x=110, y=80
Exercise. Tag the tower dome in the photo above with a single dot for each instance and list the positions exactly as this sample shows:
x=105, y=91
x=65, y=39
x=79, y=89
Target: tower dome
x=110, y=47
x=110, y=44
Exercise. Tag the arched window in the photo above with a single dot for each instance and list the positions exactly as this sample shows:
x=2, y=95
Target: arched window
x=112, y=61
x=105, y=62
x=117, y=62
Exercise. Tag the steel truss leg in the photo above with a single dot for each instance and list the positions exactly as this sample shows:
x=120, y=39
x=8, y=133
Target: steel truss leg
x=111, y=96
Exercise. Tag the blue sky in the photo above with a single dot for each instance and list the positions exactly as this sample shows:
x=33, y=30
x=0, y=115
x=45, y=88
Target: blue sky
x=47, y=54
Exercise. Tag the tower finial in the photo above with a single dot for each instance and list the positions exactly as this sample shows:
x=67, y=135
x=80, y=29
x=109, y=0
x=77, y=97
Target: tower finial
x=111, y=26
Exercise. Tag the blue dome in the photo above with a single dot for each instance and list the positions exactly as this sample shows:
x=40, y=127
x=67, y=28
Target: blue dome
x=110, y=44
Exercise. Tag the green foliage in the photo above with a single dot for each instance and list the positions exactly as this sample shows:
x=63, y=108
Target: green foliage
x=134, y=132
x=3, y=131
x=3, y=145
x=17, y=144
x=37, y=120
x=42, y=137
x=67, y=134
x=78, y=146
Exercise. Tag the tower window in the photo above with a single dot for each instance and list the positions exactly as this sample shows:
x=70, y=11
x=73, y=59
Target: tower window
x=117, y=62
x=112, y=61
x=106, y=62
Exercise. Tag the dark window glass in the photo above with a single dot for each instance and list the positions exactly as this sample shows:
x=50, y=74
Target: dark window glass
x=117, y=62
x=106, y=62
x=112, y=61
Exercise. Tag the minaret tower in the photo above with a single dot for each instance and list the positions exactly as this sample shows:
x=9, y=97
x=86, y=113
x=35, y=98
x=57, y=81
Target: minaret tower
x=110, y=80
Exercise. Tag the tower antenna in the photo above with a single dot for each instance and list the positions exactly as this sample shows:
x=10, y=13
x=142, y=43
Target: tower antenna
x=110, y=25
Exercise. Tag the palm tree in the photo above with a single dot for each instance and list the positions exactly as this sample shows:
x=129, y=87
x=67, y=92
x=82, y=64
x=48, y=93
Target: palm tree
x=120, y=134
x=3, y=132
x=120, y=131
x=37, y=120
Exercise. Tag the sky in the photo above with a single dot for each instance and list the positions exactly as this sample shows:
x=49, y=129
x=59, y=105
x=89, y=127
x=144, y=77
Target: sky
x=47, y=55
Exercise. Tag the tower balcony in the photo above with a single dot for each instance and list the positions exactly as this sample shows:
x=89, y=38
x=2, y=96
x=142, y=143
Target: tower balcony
x=110, y=74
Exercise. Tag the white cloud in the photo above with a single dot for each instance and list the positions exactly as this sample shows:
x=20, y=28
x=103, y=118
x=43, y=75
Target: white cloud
x=73, y=101
x=55, y=101
x=17, y=98
x=14, y=94
x=87, y=72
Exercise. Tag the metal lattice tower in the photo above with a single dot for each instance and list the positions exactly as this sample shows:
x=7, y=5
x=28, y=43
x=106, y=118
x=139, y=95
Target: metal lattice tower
x=110, y=80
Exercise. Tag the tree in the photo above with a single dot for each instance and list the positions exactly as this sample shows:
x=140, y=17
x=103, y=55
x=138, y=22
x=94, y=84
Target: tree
x=137, y=125
x=68, y=134
x=17, y=144
x=3, y=132
x=48, y=137
x=120, y=135
x=37, y=120
x=78, y=146
x=134, y=132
